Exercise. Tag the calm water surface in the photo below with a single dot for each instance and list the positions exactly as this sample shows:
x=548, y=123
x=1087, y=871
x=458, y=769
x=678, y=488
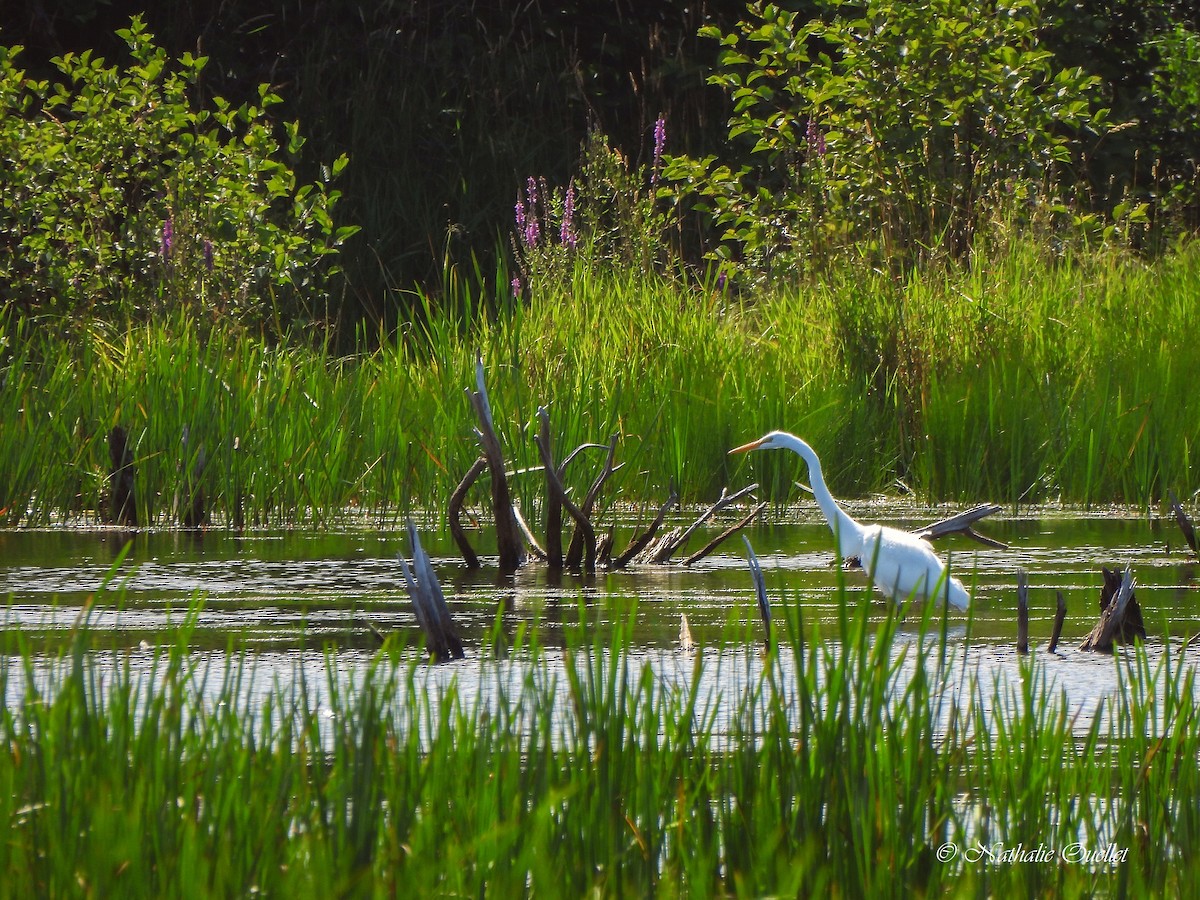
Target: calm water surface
x=300, y=600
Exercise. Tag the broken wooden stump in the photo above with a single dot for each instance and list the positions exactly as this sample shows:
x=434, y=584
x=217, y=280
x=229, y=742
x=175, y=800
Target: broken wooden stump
x=121, y=474
x=575, y=550
x=661, y=550
x=429, y=603
x=961, y=523
x=1120, y=616
x=556, y=501
x=639, y=543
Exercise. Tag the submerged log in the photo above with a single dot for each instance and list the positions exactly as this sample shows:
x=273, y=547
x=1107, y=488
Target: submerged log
x=508, y=540
x=429, y=603
x=121, y=474
x=1185, y=524
x=1120, y=616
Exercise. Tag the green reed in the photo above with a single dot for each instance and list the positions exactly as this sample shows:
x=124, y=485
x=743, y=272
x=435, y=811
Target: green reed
x=1023, y=379
x=842, y=762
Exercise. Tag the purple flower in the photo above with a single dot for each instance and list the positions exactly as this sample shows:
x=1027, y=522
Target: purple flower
x=721, y=279
x=516, y=286
x=168, y=239
x=567, y=233
x=660, y=141
x=815, y=137
x=520, y=214
x=532, y=229
x=208, y=254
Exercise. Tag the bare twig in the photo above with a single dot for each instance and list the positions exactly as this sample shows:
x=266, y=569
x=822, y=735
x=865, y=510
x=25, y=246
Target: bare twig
x=725, y=535
x=454, y=512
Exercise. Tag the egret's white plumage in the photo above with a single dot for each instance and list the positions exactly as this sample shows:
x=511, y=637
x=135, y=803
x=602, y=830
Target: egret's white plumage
x=901, y=564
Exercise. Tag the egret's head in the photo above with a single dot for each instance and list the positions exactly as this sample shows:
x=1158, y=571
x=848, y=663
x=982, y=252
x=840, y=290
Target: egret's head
x=771, y=441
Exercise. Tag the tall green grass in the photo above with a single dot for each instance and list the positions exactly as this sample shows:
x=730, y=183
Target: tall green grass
x=843, y=764
x=1023, y=379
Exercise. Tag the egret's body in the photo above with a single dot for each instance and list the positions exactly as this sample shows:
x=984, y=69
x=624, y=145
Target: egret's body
x=901, y=564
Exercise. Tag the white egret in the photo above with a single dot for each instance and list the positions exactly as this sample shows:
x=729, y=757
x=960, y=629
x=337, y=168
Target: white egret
x=900, y=563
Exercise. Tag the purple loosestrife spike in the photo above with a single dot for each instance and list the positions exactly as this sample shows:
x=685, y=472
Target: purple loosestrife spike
x=520, y=214
x=168, y=239
x=567, y=234
x=516, y=286
x=208, y=254
x=532, y=228
x=815, y=138
x=660, y=141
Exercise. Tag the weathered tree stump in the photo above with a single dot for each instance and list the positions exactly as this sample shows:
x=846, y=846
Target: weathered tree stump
x=1060, y=615
x=556, y=501
x=1022, y=612
x=454, y=513
x=121, y=475
x=1120, y=616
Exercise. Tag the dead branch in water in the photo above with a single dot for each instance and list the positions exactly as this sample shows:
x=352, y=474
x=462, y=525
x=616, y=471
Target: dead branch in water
x=639, y=543
x=454, y=512
x=725, y=535
x=429, y=603
x=575, y=550
x=670, y=543
x=556, y=501
x=508, y=541
x=1022, y=612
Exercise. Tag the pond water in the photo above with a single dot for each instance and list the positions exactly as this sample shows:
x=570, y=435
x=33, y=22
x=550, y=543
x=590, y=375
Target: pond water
x=296, y=599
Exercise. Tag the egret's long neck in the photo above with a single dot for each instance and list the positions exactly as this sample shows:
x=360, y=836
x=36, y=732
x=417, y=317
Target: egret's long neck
x=845, y=529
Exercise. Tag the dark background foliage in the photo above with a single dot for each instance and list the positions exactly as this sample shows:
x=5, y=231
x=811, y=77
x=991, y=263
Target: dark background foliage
x=444, y=108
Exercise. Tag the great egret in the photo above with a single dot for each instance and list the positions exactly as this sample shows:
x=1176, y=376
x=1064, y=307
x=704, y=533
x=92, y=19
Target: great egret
x=901, y=564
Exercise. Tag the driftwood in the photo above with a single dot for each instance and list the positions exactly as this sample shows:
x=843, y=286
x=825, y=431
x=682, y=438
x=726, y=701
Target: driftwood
x=508, y=541
x=639, y=543
x=429, y=603
x=121, y=474
x=1185, y=524
x=725, y=535
x=760, y=592
x=1120, y=617
x=1060, y=615
x=665, y=547
x=686, y=642
x=454, y=512
x=1022, y=612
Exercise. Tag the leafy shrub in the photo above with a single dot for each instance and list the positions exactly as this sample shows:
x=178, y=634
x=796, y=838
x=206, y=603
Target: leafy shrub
x=889, y=126
x=122, y=198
